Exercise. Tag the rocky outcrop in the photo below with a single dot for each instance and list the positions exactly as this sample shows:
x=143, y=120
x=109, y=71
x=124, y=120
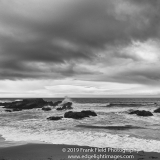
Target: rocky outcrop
x=141, y=113
x=79, y=115
x=46, y=108
x=27, y=104
x=65, y=106
x=55, y=118
x=57, y=103
x=8, y=110
x=157, y=110
x=89, y=113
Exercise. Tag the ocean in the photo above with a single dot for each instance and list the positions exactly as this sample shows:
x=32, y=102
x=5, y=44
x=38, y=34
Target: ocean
x=113, y=127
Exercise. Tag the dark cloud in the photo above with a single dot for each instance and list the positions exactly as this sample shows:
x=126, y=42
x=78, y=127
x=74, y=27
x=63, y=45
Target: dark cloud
x=57, y=34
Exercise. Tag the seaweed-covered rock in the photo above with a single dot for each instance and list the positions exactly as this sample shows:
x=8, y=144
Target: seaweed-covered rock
x=141, y=113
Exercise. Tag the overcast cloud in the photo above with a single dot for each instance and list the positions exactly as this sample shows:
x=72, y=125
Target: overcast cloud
x=80, y=43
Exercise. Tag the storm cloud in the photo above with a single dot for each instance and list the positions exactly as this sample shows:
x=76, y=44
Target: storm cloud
x=90, y=40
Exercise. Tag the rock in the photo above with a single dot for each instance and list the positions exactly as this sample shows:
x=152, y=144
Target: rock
x=54, y=118
x=4, y=104
x=141, y=113
x=90, y=113
x=133, y=111
x=46, y=108
x=16, y=109
x=8, y=110
x=74, y=115
x=27, y=104
x=57, y=103
x=157, y=110
x=65, y=106
x=59, y=108
x=79, y=115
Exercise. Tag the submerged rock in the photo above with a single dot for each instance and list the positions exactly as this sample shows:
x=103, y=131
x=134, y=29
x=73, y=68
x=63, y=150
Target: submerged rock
x=55, y=118
x=141, y=113
x=16, y=109
x=79, y=115
x=46, y=108
x=157, y=110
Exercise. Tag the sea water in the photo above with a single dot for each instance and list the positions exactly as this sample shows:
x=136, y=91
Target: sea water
x=112, y=127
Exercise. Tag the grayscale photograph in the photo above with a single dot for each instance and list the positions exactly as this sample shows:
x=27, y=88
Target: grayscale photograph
x=79, y=79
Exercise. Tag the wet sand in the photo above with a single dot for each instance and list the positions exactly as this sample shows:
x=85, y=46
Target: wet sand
x=41, y=151
x=61, y=152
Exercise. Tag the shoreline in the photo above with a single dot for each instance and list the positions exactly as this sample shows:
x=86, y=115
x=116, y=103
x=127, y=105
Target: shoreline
x=43, y=151
x=4, y=143
x=55, y=152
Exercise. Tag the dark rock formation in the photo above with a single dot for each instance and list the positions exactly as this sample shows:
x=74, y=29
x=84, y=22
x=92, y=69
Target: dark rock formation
x=27, y=104
x=8, y=110
x=89, y=113
x=74, y=115
x=54, y=118
x=46, y=108
x=65, y=106
x=59, y=108
x=79, y=115
x=157, y=110
x=134, y=112
x=16, y=109
x=141, y=113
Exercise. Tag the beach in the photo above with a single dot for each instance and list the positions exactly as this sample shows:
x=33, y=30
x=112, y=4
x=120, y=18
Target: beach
x=56, y=152
x=40, y=151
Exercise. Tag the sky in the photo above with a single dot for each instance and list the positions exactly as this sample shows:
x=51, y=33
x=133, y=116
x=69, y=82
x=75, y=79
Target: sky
x=79, y=48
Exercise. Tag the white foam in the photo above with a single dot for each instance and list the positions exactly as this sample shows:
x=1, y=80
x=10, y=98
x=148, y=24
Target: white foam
x=89, y=138
x=155, y=119
x=18, y=100
x=5, y=101
x=31, y=126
